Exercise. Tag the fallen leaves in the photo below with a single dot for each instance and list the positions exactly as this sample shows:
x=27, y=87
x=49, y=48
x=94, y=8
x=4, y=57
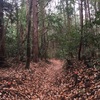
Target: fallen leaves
x=50, y=82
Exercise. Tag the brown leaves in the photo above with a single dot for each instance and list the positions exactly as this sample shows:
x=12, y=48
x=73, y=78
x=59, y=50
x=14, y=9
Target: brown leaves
x=49, y=82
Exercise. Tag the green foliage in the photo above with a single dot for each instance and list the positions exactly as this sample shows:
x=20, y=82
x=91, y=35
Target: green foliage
x=11, y=31
x=67, y=41
x=69, y=44
x=11, y=43
x=97, y=19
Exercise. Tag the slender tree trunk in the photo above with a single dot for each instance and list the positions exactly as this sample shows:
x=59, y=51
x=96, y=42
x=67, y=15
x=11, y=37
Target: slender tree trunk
x=2, y=38
x=81, y=24
x=99, y=5
x=88, y=7
x=86, y=12
x=86, y=21
x=28, y=37
x=75, y=16
x=35, y=47
x=64, y=15
x=43, y=33
x=68, y=17
x=22, y=41
x=95, y=8
x=17, y=31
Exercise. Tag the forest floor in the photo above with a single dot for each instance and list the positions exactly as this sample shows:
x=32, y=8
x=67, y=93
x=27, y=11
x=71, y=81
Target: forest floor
x=51, y=81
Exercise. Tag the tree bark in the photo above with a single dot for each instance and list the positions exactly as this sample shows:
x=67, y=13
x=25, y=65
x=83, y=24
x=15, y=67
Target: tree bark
x=28, y=37
x=99, y=6
x=86, y=12
x=81, y=24
x=17, y=31
x=2, y=43
x=68, y=17
x=35, y=47
x=88, y=7
x=95, y=8
x=43, y=49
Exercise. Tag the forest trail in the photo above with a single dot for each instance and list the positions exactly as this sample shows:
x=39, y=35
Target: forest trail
x=54, y=69
x=41, y=82
x=49, y=82
x=45, y=81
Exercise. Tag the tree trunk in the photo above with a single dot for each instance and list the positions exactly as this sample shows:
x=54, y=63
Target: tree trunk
x=35, y=47
x=86, y=12
x=2, y=43
x=99, y=6
x=95, y=8
x=68, y=17
x=43, y=49
x=64, y=16
x=17, y=31
x=88, y=7
x=28, y=37
x=81, y=24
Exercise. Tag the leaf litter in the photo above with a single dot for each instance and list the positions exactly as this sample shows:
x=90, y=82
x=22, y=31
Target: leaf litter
x=50, y=82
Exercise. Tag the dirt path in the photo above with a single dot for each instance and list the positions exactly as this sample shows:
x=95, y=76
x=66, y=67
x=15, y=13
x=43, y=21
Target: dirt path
x=47, y=82
x=54, y=69
x=40, y=82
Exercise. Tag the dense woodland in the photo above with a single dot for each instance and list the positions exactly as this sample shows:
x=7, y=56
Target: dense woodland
x=32, y=30
x=49, y=49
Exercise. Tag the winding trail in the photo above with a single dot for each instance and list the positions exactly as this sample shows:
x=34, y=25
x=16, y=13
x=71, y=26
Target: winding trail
x=49, y=84
x=54, y=69
x=40, y=82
